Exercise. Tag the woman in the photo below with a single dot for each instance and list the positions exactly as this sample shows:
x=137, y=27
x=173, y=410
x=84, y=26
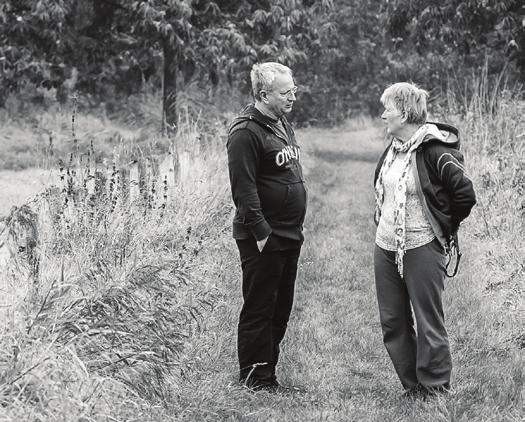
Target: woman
x=422, y=194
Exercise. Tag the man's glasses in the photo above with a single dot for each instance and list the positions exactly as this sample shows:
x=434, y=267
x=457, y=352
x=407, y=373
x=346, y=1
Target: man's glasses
x=286, y=94
x=289, y=93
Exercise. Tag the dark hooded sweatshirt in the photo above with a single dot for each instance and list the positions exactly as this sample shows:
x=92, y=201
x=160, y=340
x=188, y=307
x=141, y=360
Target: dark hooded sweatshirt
x=445, y=191
x=266, y=178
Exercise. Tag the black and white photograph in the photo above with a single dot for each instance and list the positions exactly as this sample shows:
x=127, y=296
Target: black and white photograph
x=262, y=211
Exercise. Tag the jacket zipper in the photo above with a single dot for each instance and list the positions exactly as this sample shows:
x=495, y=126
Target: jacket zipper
x=271, y=130
x=433, y=223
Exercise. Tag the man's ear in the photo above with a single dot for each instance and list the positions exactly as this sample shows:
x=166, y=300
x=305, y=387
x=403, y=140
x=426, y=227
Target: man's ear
x=264, y=96
x=404, y=116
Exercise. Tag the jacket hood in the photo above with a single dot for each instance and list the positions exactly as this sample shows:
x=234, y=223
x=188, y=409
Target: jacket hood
x=450, y=135
x=251, y=113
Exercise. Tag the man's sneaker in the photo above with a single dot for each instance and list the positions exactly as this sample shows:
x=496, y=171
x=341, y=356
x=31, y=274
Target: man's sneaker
x=271, y=387
x=255, y=384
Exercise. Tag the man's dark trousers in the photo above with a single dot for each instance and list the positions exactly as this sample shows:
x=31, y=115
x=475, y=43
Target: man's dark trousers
x=268, y=281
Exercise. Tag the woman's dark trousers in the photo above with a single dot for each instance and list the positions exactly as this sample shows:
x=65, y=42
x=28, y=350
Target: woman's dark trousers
x=423, y=359
x=268, y=280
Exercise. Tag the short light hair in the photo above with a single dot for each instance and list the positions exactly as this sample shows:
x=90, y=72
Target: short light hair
x=263, y=75
x=407, y=98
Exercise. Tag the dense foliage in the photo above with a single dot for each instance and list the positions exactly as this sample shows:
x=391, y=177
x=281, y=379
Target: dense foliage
x=343, y=51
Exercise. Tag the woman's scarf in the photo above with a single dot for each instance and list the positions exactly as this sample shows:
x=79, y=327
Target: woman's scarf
x=396, y=147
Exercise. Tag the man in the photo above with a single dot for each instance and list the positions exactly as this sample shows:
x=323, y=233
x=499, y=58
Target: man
x=270, y=198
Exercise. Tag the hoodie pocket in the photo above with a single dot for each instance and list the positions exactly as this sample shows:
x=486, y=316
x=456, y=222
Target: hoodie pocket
x=294, y=206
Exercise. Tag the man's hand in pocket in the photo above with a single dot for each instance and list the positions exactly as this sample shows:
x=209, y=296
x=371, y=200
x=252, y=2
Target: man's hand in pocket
x=261, y=243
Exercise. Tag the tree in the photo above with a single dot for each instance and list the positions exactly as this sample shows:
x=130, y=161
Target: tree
x=343, y=51
x=30, y=44
x=41, y=43
x=459, y=29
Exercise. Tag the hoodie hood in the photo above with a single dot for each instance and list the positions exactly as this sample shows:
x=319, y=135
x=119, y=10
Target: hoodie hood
x=250, y=113
x=444, y=133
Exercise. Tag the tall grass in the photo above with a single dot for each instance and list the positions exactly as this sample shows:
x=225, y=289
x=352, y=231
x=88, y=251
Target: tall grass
x=106, y=287
x=490, y=290
x=493, y=141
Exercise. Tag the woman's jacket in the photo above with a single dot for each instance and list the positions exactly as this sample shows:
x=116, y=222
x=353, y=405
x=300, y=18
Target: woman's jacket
x=445, y=191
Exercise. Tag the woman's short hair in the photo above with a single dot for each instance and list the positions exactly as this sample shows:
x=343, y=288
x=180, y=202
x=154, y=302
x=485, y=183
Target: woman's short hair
x=407, y=98
x=263, y=75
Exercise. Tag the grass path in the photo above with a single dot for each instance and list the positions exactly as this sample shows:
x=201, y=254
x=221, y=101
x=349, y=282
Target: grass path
x=333, y=349
x=334, y=345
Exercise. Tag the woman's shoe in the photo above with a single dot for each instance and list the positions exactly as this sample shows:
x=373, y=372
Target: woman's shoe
x=415, y=392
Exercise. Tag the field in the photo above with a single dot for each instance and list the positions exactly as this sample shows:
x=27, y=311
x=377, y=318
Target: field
x=131, y=314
